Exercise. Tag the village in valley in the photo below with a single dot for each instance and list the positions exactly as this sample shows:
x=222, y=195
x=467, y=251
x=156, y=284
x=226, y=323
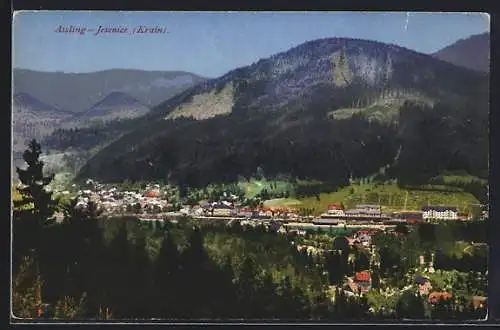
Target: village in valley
x=360, y=226
x=334, y=173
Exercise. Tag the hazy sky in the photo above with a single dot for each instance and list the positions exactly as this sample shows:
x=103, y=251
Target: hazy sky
x=212, y=43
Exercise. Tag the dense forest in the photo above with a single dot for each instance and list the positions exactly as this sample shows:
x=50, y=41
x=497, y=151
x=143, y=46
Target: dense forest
x=424, y=143
x=410, y=118
x=126, y=269
x=86, y=138
x=280, y=120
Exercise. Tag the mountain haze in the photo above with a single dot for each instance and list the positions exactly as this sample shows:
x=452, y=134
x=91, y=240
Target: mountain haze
x=77, y=92
x=32, y=118
x=279, y=114
x=48, y=101
x=116, y=105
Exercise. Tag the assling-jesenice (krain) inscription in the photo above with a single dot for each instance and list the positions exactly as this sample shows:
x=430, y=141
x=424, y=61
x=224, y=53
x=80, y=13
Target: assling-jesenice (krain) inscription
x=103, y=30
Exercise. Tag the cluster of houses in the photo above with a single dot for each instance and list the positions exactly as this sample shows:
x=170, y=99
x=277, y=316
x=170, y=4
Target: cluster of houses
x=362, y=238
x=361, y=283
x=152, y=201
x=337, y=211
x=114, y=201
x=230, y=210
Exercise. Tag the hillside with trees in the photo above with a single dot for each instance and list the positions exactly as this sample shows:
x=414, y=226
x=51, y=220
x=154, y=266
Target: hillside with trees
x=442, y=115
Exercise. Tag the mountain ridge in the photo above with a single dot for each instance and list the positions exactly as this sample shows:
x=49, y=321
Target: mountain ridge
x=32, y=118
x=27, y=100
x=285, y=99
x=114, y=106
x=472, y=52
x=220, y=82
x=115, y=98
x=77, y=92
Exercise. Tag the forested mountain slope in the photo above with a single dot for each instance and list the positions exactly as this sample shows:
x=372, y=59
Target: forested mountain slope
x=279, y=114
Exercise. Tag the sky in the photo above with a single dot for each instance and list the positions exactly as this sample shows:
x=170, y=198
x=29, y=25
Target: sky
x=212, y=43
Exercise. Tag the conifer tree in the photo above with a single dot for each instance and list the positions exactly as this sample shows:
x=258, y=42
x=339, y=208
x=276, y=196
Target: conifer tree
x=340, y=305
x=33, y=188
x=35, y=210
x=320, y=305
x=196, y=264
x=226, y=297
x=286, y=305
x=166, y=273
x=140, y=292
x=247, y=284
x=410, y=306
x=267, y=297
x=119, y=267
x=26, y=286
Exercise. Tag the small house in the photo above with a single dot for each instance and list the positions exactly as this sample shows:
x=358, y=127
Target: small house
x=363, y=281
x=480, y=302
x=222, y=210
x=245, y=212
x=363, y=237
x=152, y=194
x=435, y=297
x=336, y=206
x=336, y=209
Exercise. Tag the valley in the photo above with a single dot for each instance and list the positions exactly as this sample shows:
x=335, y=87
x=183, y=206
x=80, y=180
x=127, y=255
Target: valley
x=341, y=179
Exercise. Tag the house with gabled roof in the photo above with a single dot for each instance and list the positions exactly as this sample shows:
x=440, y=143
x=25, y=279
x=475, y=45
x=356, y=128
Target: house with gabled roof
x=362, y=282
x=436, y=297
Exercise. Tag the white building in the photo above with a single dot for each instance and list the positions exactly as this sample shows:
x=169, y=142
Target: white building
x=336, y=209
x=334, y=213
x=439, y=213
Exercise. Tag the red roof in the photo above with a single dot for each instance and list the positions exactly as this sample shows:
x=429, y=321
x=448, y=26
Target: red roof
x=363, y=276
x=152, y=194
x=336, y=206
x=434, y=297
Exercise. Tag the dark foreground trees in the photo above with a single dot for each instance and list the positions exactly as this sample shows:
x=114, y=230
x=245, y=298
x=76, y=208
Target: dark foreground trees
x=75, y=270
x=84, y=268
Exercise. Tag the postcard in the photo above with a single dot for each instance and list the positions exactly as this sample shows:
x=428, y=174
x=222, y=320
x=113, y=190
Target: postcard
x=241, y=166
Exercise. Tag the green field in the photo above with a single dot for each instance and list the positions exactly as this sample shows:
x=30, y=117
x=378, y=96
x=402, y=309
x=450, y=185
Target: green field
x=254, y=187
x=283, y=202
x=390, y=196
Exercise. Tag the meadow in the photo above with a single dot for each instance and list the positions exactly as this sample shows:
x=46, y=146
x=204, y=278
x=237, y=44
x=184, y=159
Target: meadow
x=389, y=195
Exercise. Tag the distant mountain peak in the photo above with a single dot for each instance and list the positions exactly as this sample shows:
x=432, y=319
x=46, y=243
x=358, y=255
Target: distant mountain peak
x=472, y=52
x=28, y=101
x=317, y=69
x=78, y=92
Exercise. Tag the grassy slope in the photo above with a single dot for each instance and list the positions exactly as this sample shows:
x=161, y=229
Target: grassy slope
x=254, y=187
x=452, y=179
x=392, y=198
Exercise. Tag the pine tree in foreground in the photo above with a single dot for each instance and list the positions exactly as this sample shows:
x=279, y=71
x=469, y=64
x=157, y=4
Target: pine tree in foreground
x=34, y=190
